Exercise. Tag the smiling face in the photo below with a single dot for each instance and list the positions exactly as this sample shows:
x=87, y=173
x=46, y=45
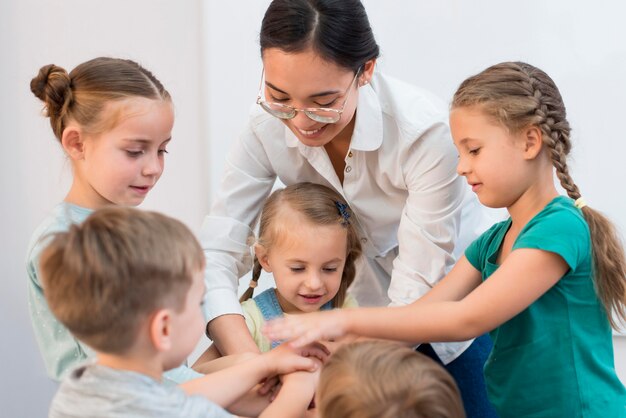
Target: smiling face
x=307, y=262
x=121, y=165
x=490, y=157
x=304, y=80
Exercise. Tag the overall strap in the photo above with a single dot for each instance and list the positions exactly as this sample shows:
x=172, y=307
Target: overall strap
x=267, y=302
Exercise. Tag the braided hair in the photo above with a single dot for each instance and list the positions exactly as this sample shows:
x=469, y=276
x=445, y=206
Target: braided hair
x=518, y=95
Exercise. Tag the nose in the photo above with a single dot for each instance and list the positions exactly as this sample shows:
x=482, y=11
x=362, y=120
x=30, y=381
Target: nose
x=153, y=166
x=313, y=281
x=462, y=166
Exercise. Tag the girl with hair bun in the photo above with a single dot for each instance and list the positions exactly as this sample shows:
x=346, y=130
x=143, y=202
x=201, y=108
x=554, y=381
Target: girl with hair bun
x=113, y=119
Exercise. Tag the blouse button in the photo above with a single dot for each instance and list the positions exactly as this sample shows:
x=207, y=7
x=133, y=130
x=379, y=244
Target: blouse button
x=350, y=154
x=348, y=169
x=364, y=240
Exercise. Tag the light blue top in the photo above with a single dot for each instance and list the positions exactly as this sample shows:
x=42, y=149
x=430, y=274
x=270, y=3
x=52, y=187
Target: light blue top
x=97, y=391
x=61, y=352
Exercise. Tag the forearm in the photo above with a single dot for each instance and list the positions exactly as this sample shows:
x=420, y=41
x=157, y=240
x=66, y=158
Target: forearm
x=226, y=386
x=416, y=323
x=294, y=397
x=231, y=336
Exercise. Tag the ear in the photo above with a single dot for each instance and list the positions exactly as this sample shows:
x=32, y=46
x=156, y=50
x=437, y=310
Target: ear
x=73, y=142
x=262, y=255
x=532, y=141
x=368, y=72
x=161, y=330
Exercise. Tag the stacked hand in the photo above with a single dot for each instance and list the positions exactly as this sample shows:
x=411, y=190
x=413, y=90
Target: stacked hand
x=304, y=329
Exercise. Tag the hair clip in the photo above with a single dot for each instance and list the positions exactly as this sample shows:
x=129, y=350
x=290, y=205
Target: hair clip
x=343, y=211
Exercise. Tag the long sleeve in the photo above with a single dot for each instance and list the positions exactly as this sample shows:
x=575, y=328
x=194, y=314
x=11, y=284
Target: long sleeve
x=227, y=231
x=430, y=219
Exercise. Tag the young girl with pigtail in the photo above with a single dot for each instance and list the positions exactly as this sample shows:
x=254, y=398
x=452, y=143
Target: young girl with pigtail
x=308, y=241
x=549, y=282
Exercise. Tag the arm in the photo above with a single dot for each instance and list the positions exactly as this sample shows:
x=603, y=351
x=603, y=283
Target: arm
x=225, y=237
x=225, y=387
x=525, y=275
x=430, y=221
x=294, y=396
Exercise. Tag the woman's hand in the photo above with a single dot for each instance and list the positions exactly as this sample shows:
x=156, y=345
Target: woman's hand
x=304, y=329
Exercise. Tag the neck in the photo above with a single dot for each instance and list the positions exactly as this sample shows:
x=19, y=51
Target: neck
x=135, y=362
x=531, y=202
x=84, y=196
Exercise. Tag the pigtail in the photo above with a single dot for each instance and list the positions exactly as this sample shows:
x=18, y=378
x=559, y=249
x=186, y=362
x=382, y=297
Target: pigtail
x=256, y=273
x=609, y=262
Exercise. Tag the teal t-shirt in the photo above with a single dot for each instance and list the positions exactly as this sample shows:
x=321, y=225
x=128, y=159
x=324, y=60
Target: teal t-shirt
x=555, y=358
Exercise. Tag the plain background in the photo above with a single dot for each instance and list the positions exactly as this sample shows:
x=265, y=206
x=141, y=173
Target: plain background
x=206, y=54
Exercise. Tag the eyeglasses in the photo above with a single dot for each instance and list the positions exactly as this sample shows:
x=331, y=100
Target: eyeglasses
x=318, y=114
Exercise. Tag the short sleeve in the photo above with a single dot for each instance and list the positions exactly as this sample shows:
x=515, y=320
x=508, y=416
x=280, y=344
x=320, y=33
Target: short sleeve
x=561, y=231
x=476, y=253
x=254, y=321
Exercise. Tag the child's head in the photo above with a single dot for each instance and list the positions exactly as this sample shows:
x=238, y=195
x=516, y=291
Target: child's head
x=114, y=120
x=517, y=100
x=381, y=379
x=125, y=276
x=308, y=240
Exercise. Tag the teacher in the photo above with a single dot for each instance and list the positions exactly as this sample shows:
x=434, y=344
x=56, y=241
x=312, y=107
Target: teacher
x=324, y=115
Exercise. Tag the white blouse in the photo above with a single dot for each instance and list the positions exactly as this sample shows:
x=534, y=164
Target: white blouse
x=400, y=181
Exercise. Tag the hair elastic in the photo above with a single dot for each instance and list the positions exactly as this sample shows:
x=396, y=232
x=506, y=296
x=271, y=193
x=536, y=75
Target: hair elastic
x=253, y=283
x=580, y=203
x=343, y=211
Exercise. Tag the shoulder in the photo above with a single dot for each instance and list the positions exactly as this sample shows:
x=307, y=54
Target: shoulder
x=415, y=110
x=560, y=228
x=350, y=302
x=58, y=220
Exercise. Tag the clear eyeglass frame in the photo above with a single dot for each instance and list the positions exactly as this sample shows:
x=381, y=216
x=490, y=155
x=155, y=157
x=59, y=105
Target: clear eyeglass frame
x=318, y=114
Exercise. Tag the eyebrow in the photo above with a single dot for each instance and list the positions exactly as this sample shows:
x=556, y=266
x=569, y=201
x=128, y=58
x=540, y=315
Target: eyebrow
x=320, y=94
x=296, y=260
x=145, y=141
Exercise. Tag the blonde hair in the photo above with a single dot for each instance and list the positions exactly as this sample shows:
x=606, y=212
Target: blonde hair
x=382, y=379
x=102, y=278
x=320, y=206
x=82, y=94
x=518, y=95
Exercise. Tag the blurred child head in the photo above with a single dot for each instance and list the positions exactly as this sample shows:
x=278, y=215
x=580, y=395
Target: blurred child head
x=308, y=240
x=380, y=379
x=113, y=119
x=124, y=278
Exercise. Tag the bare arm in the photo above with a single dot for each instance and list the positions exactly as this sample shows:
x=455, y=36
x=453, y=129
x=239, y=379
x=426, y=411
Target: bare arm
x=294, y=397
x=523, y=278
x=226, y=386
x=231, y=336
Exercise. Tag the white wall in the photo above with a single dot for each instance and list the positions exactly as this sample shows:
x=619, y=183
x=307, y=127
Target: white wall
x=206, y=53
x=162, y=35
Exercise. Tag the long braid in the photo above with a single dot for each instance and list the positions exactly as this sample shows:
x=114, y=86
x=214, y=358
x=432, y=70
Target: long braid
x=519, y=95
x=256, y=273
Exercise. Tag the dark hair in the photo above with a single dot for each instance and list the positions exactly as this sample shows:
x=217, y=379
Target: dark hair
x=82, y=94
x=338, y=30
x=518, y=95
x=102, y=278
x=319, y=205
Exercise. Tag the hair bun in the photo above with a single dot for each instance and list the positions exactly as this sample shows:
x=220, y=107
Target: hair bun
x=52, y=86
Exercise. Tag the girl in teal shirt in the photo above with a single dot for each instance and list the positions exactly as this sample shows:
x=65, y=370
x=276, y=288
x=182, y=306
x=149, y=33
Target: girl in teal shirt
x=545, y=282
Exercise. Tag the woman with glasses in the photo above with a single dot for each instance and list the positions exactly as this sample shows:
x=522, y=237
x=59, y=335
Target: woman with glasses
x=325, y=116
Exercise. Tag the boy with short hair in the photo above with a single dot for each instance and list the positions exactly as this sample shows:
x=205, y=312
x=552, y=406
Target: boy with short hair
x=129, y=284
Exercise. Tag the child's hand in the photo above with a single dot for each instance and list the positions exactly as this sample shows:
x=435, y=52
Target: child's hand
x=307, y=328
x=286, y=359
